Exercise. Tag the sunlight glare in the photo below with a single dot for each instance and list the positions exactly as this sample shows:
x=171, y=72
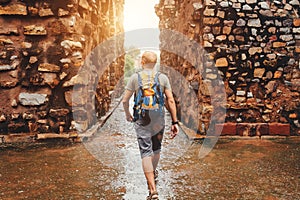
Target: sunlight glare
x=140, y=14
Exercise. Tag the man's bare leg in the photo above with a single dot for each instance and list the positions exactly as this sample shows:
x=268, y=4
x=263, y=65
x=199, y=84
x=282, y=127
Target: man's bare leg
x=155, y=160
x=156, y=155
x=148, y=171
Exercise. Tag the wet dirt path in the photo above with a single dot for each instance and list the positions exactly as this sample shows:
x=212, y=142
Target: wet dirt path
x=108, y=167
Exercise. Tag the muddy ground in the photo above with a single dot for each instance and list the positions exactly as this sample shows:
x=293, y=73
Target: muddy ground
x=108, y=167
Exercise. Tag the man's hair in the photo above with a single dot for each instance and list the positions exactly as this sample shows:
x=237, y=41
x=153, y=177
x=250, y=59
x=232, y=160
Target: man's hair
x=149, y=57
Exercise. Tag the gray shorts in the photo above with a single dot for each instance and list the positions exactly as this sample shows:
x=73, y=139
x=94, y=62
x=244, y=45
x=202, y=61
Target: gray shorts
x=149, y=132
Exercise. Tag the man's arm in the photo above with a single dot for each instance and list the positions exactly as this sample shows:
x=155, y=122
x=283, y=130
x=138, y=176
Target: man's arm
x=172, y=109
x=171, y=104
x=125, y=102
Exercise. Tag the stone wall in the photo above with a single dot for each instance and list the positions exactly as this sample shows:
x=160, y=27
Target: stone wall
x=254, y=45
x=42, y=46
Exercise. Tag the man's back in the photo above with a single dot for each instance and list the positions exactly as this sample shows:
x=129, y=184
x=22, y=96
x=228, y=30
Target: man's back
x=133, y=84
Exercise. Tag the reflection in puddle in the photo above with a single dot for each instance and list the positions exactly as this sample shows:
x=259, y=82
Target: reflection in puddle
x=235, y=169
x=115, y=146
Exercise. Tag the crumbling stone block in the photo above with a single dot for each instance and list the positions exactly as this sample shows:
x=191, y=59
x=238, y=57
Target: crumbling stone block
x=45, y=12
x=9, y=31
x=47, y=67
x=32, y=99
x=35, y=30
x=11, y=66
x=13, y=9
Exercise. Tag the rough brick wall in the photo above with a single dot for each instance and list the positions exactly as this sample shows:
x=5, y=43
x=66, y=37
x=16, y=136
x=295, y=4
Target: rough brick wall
x=255, y=47
x=42, y=46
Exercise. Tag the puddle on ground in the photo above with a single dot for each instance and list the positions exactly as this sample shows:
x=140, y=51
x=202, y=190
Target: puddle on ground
x=109, y=167
x=235, y=170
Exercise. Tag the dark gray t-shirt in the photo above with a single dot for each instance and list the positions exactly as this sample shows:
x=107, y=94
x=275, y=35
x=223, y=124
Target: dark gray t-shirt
x=133, y=84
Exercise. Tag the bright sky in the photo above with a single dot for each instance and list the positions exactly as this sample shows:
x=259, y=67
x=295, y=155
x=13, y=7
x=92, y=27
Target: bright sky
x=138, y=15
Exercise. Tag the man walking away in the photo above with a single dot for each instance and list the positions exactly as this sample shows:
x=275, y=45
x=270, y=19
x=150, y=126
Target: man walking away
x=150, y=87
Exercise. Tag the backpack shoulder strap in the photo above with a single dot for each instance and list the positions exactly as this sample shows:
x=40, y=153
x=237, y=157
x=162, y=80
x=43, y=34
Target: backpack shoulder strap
x=140, y=82
x=156, y=78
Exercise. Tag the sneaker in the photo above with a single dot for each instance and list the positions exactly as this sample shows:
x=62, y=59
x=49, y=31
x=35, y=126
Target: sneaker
x=153, y=196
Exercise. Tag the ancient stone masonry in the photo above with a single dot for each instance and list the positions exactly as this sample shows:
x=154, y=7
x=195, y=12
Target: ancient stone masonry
x=43, y=44
x=253, y=47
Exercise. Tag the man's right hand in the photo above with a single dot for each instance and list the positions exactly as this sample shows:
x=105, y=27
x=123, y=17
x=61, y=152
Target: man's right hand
x=129, y=118
x=174, y=131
